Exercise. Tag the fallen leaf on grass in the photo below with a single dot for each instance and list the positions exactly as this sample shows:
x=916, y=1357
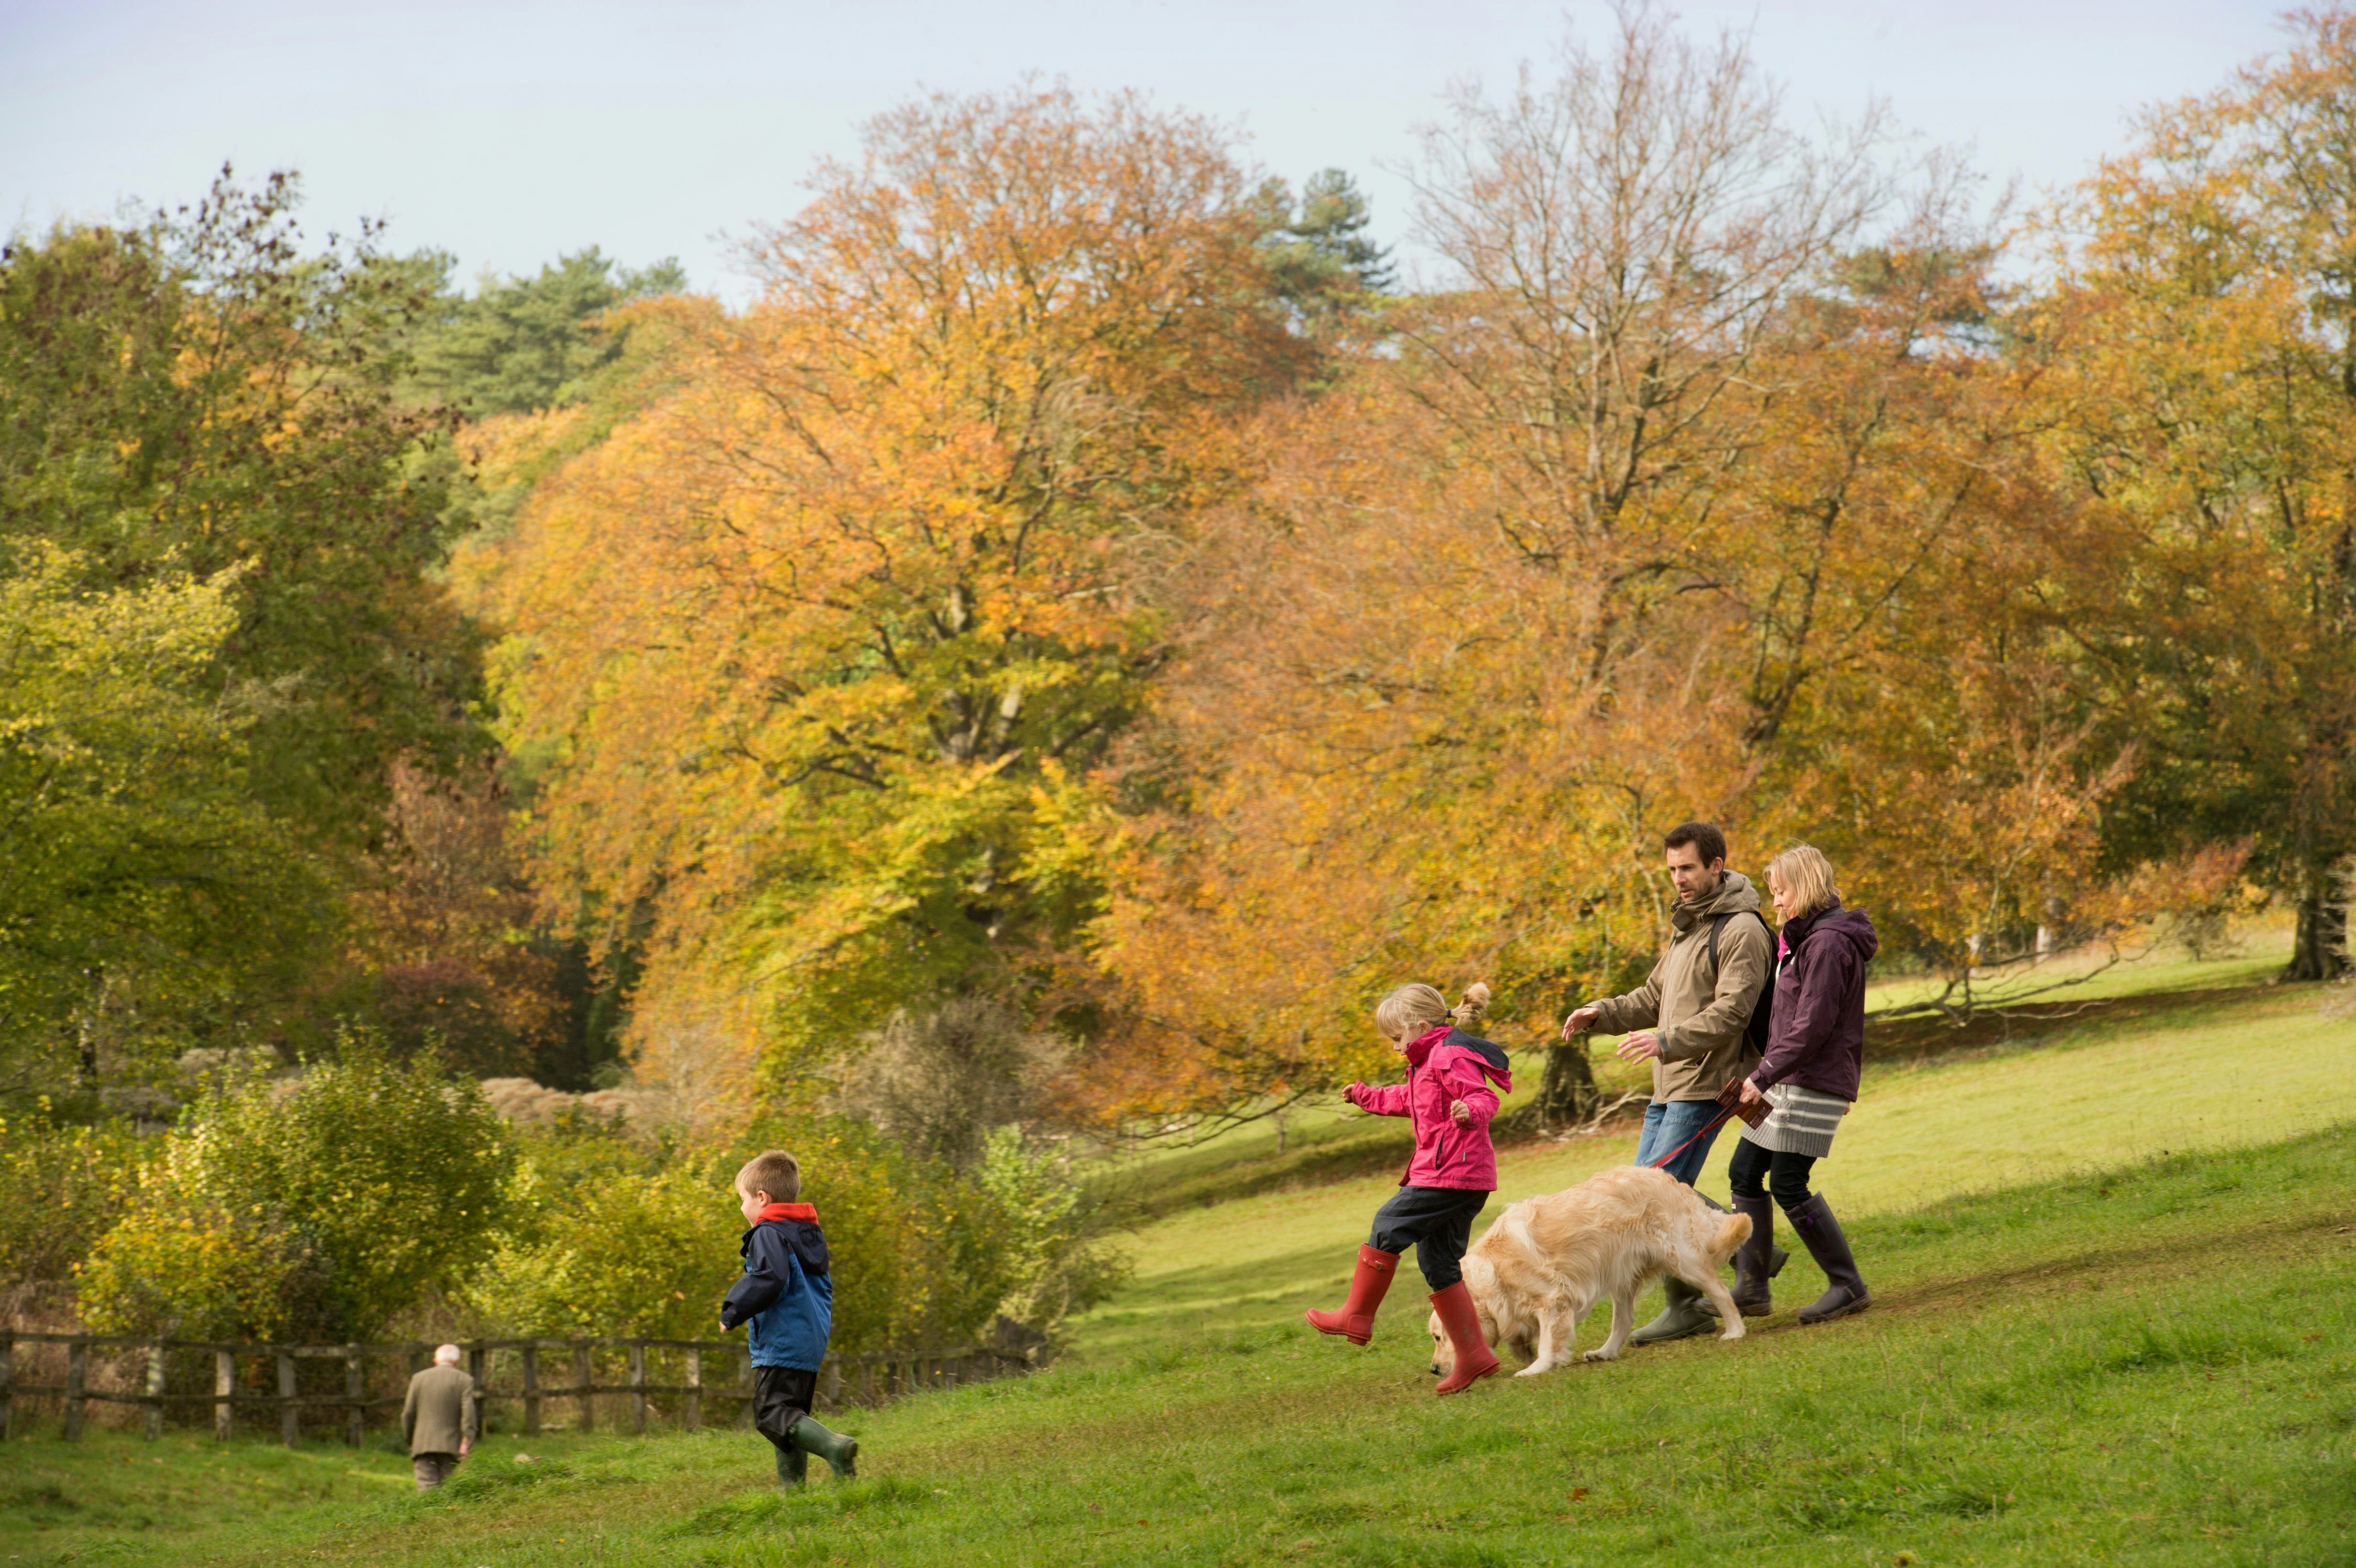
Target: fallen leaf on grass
x=1577, y=1493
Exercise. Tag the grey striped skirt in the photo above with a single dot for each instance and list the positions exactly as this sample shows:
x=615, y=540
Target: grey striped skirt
x=1803, y=1122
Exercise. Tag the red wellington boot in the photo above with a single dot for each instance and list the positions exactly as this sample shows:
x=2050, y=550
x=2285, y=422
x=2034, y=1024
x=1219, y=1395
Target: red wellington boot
x=1355, y=1321
x=1474, y=1360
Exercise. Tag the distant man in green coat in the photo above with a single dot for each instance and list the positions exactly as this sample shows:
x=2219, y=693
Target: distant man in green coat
x=440, y=1419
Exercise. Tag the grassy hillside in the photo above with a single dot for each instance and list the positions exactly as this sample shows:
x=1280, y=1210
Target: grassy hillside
x=2156, y=1366
x=2139, y=1076
x=2084, y=1349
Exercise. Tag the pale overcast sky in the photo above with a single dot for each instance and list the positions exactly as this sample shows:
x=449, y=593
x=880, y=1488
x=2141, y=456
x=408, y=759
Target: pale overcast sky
x=509, y=131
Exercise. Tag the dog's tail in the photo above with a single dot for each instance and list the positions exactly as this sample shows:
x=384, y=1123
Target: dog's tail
x=1730, y=1235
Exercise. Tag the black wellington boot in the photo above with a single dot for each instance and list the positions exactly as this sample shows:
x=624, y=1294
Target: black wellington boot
x=793, y=1467
x=834, y=1447
x=1755, y=1264
x=1844, y=1291
x=1777, y=1256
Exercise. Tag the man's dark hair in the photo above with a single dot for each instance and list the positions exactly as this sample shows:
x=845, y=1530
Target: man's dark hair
x=1707, y=840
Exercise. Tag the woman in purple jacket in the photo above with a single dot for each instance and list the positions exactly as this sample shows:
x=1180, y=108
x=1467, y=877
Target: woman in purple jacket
x=1815, y=1045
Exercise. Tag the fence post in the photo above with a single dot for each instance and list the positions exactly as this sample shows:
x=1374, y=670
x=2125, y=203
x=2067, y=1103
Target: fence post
x=224, y=1385
x=531, y=1388
x=638, y=1385
x=290, y=1415
x=76, y=1372
x=694, y=1413
x=7, y=1385
x=833, y=1383
x=867, y=1379
x=356, y=1390
x=154, y=1426
x=584, y=1403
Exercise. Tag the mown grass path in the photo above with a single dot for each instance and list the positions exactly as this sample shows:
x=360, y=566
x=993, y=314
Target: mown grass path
x=2156, y=1366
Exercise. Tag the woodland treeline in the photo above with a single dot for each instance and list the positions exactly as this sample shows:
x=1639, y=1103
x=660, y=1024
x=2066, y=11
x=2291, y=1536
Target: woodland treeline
x=1089, y=625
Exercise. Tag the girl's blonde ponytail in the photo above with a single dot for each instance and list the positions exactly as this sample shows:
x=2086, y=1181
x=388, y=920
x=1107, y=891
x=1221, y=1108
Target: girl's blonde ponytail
x=1411, y=1009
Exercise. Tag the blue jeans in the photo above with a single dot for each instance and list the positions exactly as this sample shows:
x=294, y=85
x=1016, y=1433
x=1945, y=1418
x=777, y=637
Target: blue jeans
x=1668, y=1124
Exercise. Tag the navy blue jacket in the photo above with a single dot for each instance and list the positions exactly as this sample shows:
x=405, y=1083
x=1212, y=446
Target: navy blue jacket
x=786, y=1294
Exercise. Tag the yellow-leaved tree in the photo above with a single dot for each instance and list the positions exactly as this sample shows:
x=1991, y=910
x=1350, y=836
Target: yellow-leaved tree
x=816, y=648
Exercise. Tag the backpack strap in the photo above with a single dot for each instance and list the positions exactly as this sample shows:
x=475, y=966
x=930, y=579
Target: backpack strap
x=1718, y=921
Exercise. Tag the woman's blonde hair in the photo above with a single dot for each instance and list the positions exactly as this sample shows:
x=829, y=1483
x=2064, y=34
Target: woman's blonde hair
x=1411, y=1009
x=1806, y=875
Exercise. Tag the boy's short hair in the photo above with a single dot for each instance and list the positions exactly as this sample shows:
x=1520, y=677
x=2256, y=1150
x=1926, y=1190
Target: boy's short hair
x=1707, y=841
x=773, y=1172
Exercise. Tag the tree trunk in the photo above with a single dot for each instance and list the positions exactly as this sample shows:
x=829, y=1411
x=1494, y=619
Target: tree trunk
x=1566, y=1094
x=2320, y=951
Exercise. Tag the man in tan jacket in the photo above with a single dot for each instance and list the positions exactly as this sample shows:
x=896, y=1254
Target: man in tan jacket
x=441, y=1418
x=1692, y=1015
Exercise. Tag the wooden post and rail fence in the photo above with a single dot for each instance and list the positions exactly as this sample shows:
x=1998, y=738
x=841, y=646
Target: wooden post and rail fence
x=868, y=1378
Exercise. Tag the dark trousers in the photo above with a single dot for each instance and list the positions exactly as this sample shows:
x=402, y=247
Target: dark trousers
x=1786, y=1175
x=1437, y=1221
x=781, y=1396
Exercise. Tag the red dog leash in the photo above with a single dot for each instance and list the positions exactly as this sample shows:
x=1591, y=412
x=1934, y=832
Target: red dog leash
x=1715, y=1122
x=1735, y=1109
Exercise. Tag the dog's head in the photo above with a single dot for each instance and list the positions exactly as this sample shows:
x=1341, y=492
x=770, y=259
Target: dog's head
x=1444, y=1353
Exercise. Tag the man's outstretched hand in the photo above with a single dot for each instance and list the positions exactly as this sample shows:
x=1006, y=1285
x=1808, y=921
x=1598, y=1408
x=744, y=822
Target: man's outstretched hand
x=1641, y=1046
x=1581, y=1020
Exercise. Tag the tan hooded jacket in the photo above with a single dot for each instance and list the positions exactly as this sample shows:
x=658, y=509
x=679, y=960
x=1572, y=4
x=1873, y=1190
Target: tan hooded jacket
x=1700, y=1014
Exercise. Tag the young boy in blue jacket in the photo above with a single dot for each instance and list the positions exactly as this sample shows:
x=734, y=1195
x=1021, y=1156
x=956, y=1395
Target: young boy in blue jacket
x=788, y=1296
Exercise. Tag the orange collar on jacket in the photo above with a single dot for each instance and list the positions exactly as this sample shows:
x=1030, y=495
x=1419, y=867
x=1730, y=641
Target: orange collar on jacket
x=786, y=1212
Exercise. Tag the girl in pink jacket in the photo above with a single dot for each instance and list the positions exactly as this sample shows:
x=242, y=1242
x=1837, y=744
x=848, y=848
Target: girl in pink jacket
x=1448, y=1098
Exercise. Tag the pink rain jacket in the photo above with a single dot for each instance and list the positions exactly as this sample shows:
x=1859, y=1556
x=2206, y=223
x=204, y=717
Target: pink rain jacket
x=1444, y=1065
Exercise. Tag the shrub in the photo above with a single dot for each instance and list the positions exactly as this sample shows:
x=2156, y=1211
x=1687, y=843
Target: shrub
x=61, y=1188
x=199, y=1274
x=320, y=1207
x=634, y=1252
x=1060, y=1263
x=610, y=1238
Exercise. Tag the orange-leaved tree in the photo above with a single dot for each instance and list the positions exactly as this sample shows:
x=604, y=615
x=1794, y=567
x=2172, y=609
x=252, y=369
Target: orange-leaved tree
x=2204, y=340
x=1471, y=647
x=813, y=652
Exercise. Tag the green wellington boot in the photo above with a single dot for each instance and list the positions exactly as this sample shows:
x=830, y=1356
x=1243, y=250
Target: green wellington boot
x=834, y=1447
x=793, y=1467
x=1682, y=1319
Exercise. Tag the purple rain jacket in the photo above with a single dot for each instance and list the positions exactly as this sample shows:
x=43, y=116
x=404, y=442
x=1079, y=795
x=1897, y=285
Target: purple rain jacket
x=1817, y=1036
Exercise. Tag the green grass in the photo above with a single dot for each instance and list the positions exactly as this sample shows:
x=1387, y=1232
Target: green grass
x=2084, y=1350
x=1326, y=1141
x=2157, y=1366
x=2151, y=1075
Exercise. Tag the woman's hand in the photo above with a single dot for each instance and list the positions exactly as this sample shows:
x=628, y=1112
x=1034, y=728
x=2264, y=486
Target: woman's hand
x=1751, y=1095
x=1462, y=1113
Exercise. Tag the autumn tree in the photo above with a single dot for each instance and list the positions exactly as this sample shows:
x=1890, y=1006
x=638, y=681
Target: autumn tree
x=202, y=393
x=201, y=410
x=819, y=645
x=1466, y=652
x=2203, y=333
x=143, y=886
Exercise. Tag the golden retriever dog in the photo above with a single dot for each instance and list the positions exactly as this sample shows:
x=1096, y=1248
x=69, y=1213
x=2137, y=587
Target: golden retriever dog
x=1545, y=1261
